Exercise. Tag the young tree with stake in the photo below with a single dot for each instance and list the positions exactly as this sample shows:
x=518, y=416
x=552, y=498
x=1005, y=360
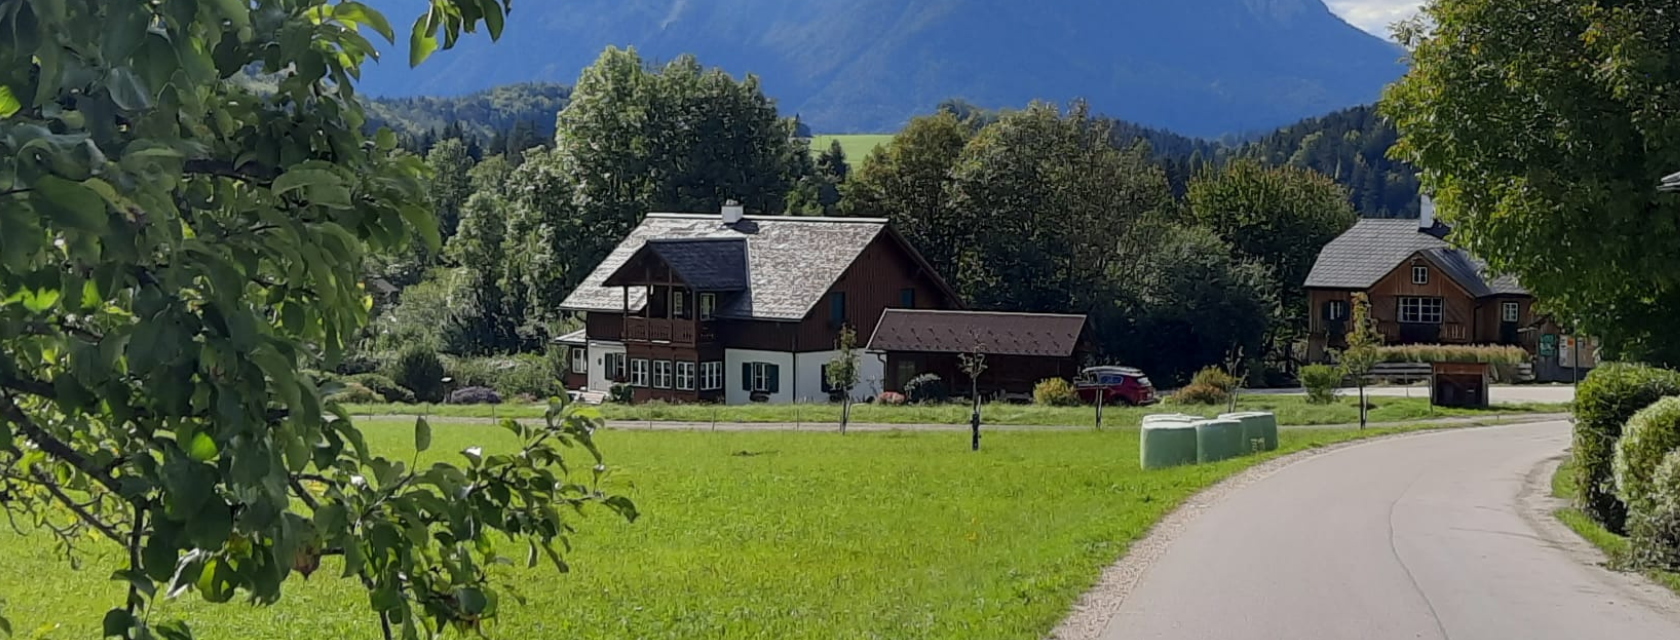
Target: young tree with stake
x=1361, y=355
x=843, y=373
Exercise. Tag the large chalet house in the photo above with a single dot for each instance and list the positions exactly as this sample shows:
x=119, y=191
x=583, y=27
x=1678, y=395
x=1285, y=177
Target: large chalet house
x=734, y=309
x=1422, y=290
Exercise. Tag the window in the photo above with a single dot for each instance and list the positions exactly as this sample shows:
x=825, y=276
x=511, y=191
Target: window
x=708, y=305
x=580, y=360
x=711, y=376
x=837, y=308
x=678, y=309
x=760, y=377
x=827, y=387
x=1420, y=275
x=1510, y=312
x=639, y=372
x=907, y=298
x=612, y=364
x=661, y=374
x=685, y=376
x=1335, y=310
x=1420, y=310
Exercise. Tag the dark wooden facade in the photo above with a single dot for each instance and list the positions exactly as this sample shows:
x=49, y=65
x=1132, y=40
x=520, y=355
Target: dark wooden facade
x=1465, y=319
x=1004, y=375
x=886, y=274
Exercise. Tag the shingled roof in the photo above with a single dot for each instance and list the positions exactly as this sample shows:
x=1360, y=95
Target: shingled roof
x=708, y=264
x=1372, y=249
x=992, y=332
x=790, y=261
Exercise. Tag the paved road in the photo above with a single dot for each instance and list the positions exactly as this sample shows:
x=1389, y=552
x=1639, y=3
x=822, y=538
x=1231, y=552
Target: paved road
x=1500, y=393
x=1434, y=537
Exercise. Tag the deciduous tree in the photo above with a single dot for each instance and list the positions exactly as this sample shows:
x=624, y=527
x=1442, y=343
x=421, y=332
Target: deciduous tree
x=908, y=181
x=174, y=248
x=1361, y=354
x=1543, y=127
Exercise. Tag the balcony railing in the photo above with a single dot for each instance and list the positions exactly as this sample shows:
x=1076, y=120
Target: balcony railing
x=678, y=331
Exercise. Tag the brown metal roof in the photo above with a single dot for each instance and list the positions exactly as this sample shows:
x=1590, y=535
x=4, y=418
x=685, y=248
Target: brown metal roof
x=990, y=332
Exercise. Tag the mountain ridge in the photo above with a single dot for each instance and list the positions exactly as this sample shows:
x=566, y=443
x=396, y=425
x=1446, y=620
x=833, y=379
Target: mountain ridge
x=1199, y=67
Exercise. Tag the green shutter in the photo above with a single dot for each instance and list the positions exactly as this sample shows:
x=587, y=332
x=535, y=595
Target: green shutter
x=775, y=378
x=746, y=376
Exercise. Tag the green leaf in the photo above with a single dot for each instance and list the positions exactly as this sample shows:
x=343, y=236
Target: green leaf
x=117, y=623
x=422, y=434
x=202, y=448
x=331, y=518
x=359, y=13
x=423, y=41
x=128, y=90
x=493, y=17
x=39, y=300
x=304, y=177
x=69, y=203
x=8, y=102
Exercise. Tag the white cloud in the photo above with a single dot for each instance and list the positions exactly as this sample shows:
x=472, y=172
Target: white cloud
x=1375, y=16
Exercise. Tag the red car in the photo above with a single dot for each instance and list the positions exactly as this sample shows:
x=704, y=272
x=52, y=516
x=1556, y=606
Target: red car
x=1117, y=386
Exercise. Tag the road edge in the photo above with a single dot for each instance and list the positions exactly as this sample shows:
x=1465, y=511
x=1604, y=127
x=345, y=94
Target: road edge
x=1091, y=614
x=1539, y=509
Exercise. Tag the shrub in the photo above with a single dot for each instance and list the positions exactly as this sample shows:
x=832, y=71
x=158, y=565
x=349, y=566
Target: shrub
x=354, y=393
x=475, y=395
x=1655, y=522
x=1650, y=436
x=1055, y=392
x=1217, y=378
x=1200, y=393
x=891, y=398
x=1321, y=381
x=621, y=394
x=928, y=387
x=419, y=369
x=357, y=364
x=471, y=372
x=1608, y=397
x=1488, y=353
x=387, y=388
x=525, y=375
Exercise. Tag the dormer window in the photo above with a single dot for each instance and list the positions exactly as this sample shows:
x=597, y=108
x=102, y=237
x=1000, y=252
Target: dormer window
x=708, y=305
x=1420, y=275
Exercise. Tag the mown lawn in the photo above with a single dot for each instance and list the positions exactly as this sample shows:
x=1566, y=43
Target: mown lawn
x=756, y=535
x=856, y=146
x=1615, y=547
x=1291, y=410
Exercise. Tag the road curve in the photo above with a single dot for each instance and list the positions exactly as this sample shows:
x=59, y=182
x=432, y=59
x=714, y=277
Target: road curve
x=1442, y=536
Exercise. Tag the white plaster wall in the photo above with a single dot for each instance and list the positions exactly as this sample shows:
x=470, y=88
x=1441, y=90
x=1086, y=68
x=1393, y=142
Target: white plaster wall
x=732, y=359
x=598, y=350
x=808, y=378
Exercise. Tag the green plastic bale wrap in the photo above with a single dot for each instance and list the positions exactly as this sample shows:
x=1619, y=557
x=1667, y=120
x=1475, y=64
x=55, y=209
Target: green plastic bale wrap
x=1260, y=430
x=1167, y=441
x=1218, y=440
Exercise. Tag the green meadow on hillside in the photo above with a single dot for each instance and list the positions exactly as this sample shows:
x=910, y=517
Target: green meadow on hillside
x=856, y=146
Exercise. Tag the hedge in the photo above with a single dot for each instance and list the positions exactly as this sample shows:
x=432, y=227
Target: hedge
x=1650, y=436
x=1655, y=522
x=1488, y=353
x=419, y=369
x=1607, y=399
x=1055, y=392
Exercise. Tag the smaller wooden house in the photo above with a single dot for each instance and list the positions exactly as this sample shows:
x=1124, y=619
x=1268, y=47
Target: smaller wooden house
x=1021, y=348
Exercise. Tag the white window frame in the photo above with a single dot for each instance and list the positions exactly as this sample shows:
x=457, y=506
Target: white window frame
x=761, y=377
x=661, y=374
x=639, y=372
x=1510, y=311
x=1420, y=274
x=685, y=375
x=1421, y=310
x=677, y=301
x=708, y=305
x=1338, y=310
x=580, y=360
x=711, y=375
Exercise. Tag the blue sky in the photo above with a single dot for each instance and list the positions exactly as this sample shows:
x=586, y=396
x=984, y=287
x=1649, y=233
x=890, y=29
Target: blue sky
x=1374, y=15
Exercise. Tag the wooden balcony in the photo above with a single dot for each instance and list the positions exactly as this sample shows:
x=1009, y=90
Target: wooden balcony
x=672, y=331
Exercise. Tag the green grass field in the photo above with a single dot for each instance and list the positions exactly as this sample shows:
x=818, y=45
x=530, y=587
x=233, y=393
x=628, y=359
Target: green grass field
x=753, y=535
x=856, y=146
x=1615, y=547
x=1291, y=410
